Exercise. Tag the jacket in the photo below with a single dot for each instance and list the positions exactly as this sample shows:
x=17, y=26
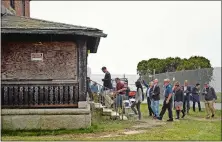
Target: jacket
x=155, y=93
x=188, y=91
x=209, y=94
x=107, y=81
x=178, y=95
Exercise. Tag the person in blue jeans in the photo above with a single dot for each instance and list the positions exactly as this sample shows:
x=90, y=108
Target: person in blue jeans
x=155, y=98
x=148, y=98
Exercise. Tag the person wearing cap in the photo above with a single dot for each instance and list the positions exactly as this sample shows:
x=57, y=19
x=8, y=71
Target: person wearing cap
x=107, y=81
x=210, y=97
x=178, y=92
x=186, y=101
x=167, y=103
x=196, y=97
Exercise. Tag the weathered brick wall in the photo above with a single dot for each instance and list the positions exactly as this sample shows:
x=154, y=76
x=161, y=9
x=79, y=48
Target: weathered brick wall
x=59, y=60
x=18, y=7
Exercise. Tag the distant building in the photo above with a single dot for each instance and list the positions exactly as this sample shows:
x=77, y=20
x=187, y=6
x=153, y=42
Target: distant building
x=18, y=7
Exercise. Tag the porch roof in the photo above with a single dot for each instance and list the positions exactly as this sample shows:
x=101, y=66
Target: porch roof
x=17, y=24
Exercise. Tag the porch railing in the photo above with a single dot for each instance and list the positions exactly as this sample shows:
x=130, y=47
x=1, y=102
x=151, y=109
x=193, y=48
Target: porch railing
x=39, y=94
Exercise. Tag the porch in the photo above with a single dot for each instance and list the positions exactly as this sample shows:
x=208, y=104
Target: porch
x=39, y=94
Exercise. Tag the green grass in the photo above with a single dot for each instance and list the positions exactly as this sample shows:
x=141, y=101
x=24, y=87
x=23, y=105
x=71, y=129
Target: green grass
x=193, y=127
x=218, y=98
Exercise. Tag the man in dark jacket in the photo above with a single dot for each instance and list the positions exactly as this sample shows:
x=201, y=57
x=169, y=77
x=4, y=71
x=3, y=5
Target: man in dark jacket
x=196, y=97
x=210, y=97
x=167, y=103
x=107, y=79
x=186, y=101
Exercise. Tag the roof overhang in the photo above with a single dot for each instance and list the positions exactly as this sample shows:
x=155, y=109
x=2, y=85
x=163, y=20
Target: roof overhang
x=22, y=25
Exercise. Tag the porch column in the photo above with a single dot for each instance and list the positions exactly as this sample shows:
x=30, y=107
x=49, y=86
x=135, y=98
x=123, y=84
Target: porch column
x=82, y=69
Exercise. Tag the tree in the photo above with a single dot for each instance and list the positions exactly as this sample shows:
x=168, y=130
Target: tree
x=172, y=64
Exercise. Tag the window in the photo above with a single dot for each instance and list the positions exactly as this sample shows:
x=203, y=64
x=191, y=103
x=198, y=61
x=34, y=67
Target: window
x=23, y=7
x=12, y=3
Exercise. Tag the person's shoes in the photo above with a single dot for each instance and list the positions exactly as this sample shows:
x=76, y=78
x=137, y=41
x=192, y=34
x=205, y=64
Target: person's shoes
x=212, y=115
x=177, y=118
x=183, y=114
x=159, y=118
x=170, y=120
x=154, y=117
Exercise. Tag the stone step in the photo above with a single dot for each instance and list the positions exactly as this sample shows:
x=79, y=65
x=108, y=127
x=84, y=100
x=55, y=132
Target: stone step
x=107, y=112
x=114, y=115
x=123, y=117
x=98, y=106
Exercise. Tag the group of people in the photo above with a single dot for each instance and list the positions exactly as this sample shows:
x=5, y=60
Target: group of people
x=180, y=95
x=176, y=94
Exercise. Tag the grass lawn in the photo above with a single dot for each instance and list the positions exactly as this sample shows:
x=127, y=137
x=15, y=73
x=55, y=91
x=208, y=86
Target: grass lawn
x=192, y=127
x=218, y=98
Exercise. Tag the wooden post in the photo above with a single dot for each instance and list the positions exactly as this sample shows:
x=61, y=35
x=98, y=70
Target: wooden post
x=82, y=69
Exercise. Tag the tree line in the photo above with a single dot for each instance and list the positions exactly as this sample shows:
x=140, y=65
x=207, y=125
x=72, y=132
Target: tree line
x=172, y=64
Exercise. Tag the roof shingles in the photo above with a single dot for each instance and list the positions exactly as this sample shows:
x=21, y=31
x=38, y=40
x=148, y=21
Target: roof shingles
x=17, y=24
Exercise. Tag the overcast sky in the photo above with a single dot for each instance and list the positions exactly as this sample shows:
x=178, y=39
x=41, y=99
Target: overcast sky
x=139, y=30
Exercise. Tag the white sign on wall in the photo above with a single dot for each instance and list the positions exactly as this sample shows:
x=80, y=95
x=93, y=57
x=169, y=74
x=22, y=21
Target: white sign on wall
x=36, y=56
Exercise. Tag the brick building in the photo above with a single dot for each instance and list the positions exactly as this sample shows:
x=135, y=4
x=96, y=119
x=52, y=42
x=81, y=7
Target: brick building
x=44, y=65
x=18, y=7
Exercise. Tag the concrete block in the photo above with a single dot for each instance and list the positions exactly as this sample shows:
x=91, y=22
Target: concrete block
x=25, y=122
x=82, y=104
x=6, y=122
x=123, y=117
x=114, y=115
x=107, y=112
x=65, y=121
x=26, y=119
